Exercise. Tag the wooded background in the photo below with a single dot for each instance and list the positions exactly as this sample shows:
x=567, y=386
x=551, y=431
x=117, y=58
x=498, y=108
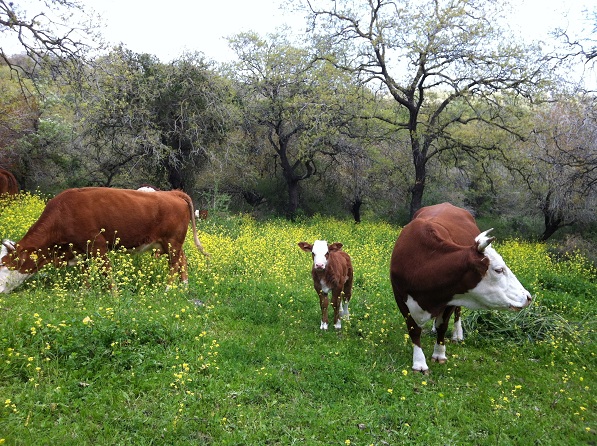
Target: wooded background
x=378, y=109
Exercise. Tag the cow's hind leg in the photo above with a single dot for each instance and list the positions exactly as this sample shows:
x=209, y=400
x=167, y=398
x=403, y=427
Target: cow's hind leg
x=98, y=251
x=439, y=350
x=414, y=331
x=346, y=295
x=178, y=266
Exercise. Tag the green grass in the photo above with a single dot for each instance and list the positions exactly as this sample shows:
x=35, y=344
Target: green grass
x=238, y=357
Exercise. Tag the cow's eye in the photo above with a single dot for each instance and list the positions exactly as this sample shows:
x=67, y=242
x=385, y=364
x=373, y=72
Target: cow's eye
x=500, y=270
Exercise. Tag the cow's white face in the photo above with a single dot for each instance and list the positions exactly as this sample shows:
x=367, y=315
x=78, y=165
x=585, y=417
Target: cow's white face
x=498, y=290
x=9, y=279
x=320, y=252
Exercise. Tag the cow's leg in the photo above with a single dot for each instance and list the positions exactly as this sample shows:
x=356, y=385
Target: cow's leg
x=439, y=351
x=183, y=267
x=98, y=250
x=347, y=294
x=177, y=262
x=414, y=331
x=336, y=304
x=323, y=303
x=457, y=333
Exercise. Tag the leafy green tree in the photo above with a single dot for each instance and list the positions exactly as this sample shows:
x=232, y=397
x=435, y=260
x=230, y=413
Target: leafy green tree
x=19, y=110
x=446, y=63
x=562, y=172
x=293, y=107
x=158, y=119
x=56, y=33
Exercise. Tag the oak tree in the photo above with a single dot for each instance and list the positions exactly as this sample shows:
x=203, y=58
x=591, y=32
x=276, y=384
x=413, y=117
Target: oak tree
x=445, y=62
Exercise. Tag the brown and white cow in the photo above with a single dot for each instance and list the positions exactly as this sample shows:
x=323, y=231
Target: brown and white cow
x=8, y=183
x=441, y=260
x=331, y=271
x=94, y=220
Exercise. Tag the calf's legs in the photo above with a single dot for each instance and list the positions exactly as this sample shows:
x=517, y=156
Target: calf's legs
x=340, y=308
x=323, y=303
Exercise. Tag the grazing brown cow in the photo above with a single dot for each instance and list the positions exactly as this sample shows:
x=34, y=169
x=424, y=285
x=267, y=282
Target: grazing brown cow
x=440, y=261
x=332, y=271
x=8, y=183
x=95, y=220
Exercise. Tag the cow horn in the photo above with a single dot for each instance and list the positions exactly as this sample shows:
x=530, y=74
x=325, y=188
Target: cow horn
x=10, y=245
x=483, y=241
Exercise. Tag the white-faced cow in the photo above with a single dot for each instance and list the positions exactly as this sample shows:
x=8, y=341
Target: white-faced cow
x=441, y=260
x=332, y=271
x=94, y=220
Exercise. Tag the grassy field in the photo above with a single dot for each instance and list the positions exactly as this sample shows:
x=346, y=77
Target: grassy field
x=238, y=358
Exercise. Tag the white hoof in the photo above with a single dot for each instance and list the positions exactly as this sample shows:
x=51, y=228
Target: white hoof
x=439, y=354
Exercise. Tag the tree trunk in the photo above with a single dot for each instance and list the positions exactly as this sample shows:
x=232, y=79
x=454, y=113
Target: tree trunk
x=356, y=210
x=175, y=178
x=549, y=231
x=293, y=198
x=552, y=224
x=416, y=200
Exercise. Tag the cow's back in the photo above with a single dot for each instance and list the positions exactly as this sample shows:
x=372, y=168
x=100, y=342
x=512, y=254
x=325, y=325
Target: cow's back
x=459, y=224
x=433, y=251
x=128, y=218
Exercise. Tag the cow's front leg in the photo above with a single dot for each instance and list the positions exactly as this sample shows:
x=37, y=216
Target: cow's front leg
x=336, y=305
x=441, y=322
x=323, y=303
x=457, y=333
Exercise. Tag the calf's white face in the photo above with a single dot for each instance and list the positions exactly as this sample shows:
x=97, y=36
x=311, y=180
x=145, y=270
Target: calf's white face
x=498, y=290
x=320, y=252
x=9, y=279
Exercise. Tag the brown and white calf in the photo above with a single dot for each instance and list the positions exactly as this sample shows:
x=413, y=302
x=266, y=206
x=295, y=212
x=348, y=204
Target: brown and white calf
x=94, y=220
x=331, y=271
x=441, y=261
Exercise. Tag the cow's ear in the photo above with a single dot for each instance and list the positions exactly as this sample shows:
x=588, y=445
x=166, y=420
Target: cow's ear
x=483, y=240
x=335, y=246
x=307, y=247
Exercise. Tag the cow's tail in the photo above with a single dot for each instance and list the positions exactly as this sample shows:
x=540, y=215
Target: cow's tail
x=194, y=226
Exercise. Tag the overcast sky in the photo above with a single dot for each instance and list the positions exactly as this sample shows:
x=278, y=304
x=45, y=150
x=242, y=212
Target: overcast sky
x=167, y=29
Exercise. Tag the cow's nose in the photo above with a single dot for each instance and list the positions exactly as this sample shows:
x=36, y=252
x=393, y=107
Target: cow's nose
x=529, y=299
x=319, y=265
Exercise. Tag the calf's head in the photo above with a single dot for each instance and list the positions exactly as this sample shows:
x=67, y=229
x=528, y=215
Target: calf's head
x=321, y=252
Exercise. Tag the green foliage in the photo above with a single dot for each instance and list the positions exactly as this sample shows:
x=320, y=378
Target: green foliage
x=238, y=356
